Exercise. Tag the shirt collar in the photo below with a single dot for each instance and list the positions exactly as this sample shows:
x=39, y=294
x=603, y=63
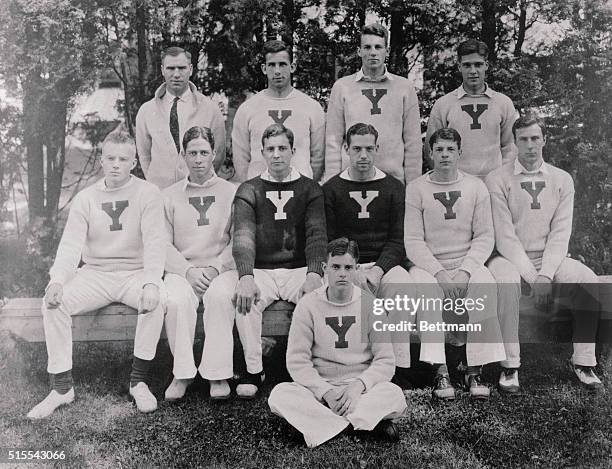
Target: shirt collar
x=378, y=174
x=461, y=92
x=187, y=183
x=385, y=76
x=183, y=97
x=520, y=169
x=460, y=176
x=293, y=175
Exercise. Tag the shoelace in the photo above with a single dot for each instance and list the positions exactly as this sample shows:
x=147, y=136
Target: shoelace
x=475, y=378
x=443, y=381
x=508, y=372
x=587, y=370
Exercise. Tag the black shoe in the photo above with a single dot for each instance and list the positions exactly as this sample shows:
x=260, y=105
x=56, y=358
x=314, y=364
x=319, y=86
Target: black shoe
x=249, y=385
x=388, y=430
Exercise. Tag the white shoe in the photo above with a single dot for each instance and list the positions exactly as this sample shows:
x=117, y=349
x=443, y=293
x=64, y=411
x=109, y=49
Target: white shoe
x=219, y=389
x=249, y=385
x=145, y=401
x=586, y=375
x=177, y=389
x=508, y=380
x=48, y=405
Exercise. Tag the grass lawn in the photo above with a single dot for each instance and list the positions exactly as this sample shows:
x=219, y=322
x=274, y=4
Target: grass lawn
x=553, y=423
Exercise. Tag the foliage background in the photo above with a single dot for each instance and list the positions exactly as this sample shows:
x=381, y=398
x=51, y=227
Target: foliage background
x=552, y=56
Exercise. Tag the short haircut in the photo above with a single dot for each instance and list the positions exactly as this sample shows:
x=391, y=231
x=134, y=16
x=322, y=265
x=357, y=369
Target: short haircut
x=472, y=46
x=445, y=133
x=276, y=130
x=175, y=51
x=375, y=29
x=272, y=47
x=198, y=132
x=120, y=137
x=341, y=246
x=528, y=120
x=361, y=129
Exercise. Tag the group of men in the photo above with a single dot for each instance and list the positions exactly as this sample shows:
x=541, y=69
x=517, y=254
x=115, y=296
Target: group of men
x=284, y=234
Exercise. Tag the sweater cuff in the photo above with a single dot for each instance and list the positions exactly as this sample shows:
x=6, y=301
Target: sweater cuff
x=469, y=265
x=367, y=381
x=315, y=266
x=153, y=278
x=386, y=263
x=244, y=268
x=320, y=391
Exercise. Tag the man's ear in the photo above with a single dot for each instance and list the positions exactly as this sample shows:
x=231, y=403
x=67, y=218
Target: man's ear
x=263, y=69
x=324, y=265
x=292, y=67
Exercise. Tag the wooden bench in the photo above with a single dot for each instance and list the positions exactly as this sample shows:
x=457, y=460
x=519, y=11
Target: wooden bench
x=22, y=318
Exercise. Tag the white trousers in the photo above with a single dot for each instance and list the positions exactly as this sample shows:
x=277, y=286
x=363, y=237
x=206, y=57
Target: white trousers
x=570, y=272
x=482, y=347
x=318, y=423
x=89, y=290
x=180, y=322
x=220, y=315
x=398, y=282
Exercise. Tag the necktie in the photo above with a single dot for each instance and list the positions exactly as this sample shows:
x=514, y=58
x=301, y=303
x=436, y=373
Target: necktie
x=174, y=124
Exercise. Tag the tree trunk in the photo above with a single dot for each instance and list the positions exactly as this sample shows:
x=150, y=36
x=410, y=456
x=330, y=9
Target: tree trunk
x=141, y=46
x=522, y=27
x=489, y=32
x=33, y=145
x=397, y=61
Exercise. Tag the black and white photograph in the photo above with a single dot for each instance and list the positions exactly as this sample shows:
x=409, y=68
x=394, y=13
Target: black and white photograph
x=306, y=233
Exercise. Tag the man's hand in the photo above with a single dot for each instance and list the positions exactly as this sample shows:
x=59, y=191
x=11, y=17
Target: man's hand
x=312, y=282
x=359, y=278
x=53, y=296
x=373, y=278
x=149, y=298
x=247, y=294
x=350, y=396
x=461, y=279
x=447, y=284
x=541, y=289
x=198, y=281
x=331, y=398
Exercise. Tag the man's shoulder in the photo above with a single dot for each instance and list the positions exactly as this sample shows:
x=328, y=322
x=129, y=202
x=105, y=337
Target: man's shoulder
x=145, y=187
x=346, y=81
x=503, y=173
x=499, y=96
x=333, y=183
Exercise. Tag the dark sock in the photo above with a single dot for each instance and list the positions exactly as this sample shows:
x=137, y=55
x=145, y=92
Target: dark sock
x=440, y=368
x=61, y=382
x=140, y=371
x=473, y=370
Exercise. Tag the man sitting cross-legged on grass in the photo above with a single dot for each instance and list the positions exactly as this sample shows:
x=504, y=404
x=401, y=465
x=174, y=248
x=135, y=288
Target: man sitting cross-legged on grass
x=339, y=361
x=115, y=227
x=278, y=247
x=367, y=205
x=198, y=220
x=533, y=204
x=449, y=236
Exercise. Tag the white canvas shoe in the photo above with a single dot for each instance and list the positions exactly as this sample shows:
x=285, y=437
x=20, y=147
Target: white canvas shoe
x=508, y=380
x=219, y=389
x=145, y=400
x=47, y=406
x=586, y=375
x=177, y=389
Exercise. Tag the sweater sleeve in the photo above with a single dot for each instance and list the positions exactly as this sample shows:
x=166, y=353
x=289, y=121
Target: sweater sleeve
x=483, y=237
x=393, y=251
x=299, y=351
x=175, y=261
x=71, y=245
x=243, y=248
x=382, y=367
x=218, y=130
x=225, y=261
x=411, y=133
x=316, y=235
x=507, y=242
x=241, y=144
x=330, y=211
x=143, y=140
x=508, y=148
x=317, y=143
x=436, y=121
x=414, y=234
x=558, y=239
x=154, y=237
x=334, y=132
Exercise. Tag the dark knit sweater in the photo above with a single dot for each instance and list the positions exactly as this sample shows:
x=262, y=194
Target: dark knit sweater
x=371, y=213
x=279, y=225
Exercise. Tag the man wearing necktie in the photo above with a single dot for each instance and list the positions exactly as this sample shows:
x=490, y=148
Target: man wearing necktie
x=176, y=107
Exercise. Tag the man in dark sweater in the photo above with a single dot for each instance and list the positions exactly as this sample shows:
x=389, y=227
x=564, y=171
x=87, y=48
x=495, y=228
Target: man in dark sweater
x=365, y=204
x=279, y=245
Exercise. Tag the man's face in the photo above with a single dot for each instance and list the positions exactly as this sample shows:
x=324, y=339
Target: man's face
x=278, y=68
x=277, y=152
x=372, y=51
x=473, y=68
x=445, y=154
x=362, y=153
x=199, y=158
x=340, y=271
x=117, y=161
x=530, y=141
x=176, y=71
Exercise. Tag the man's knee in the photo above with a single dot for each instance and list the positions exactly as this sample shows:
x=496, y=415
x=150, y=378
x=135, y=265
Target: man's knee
x=503, y=271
